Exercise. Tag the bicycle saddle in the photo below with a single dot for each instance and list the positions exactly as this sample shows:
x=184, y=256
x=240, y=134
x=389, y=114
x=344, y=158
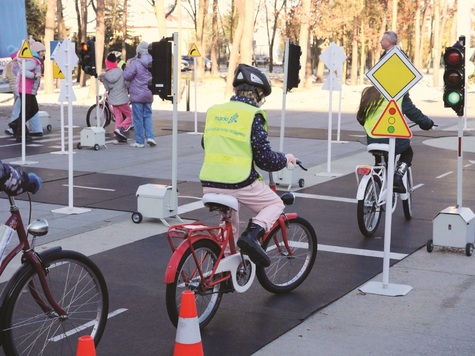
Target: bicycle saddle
x=215, y=201
x=374, y=147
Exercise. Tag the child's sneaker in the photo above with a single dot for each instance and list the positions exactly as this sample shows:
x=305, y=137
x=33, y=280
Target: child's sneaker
x=119, y=139
x=151, y=142
x=120, y=132
x=137, y=145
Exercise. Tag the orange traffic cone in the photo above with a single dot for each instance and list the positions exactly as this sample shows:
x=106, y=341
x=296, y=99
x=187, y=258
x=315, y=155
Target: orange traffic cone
x=188, y=337
x=86, y=346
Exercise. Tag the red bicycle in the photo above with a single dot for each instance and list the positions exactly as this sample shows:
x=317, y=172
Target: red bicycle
x=208, y=263
x=55, y=296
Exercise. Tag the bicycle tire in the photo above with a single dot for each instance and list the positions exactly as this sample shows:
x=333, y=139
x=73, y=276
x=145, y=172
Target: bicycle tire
x=105, y=116
x=77, y=285
x=407, y=203
x=187, y=277
x=285, y=272
x=368, y=212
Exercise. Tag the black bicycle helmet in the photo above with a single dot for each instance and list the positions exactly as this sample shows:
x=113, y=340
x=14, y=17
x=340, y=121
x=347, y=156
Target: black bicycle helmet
x=247, y=77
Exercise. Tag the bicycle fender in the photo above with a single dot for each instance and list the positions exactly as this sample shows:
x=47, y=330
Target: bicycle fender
x=13, y=280
x=172, y=266
x=362, y=187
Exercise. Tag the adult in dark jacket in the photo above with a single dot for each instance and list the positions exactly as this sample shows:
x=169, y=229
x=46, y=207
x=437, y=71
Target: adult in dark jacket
x=372, y=105
x=137, y=74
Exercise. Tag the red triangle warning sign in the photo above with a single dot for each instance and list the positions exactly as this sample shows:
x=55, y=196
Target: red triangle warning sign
x=392, y=123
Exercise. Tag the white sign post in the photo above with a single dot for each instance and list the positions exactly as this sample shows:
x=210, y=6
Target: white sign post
x=24, y=53
x=392, y=87
x=66, y=59
x=333, y=57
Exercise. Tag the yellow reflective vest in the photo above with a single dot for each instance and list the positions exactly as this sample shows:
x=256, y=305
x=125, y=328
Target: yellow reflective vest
x=227, y=142
x=373, y=119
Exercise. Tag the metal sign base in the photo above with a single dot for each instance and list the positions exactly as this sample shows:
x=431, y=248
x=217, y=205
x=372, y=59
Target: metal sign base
x=71, y=210
x=389, y=290
x=23, y=162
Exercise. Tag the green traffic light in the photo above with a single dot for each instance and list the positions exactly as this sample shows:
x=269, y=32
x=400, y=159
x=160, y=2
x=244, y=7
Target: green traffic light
x=453, y=98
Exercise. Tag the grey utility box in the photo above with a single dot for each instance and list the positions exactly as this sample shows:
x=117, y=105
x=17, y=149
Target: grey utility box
x=155, y=201
x=454, y=227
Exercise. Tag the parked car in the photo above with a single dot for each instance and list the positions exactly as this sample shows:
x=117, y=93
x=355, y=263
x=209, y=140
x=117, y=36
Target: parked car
x=185, y=66
x=191, y=63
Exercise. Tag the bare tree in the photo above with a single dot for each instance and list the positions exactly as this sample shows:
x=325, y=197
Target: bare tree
x=242, y=42
x=305, y=72
x=201, y=25
x=81, y=12
x=124, y=30
x=159, y=10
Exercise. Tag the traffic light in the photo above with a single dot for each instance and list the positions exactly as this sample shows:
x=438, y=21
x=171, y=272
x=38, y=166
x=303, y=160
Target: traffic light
x=293, y=67
x=87, y=53
x=161, y=68
x=454, y=77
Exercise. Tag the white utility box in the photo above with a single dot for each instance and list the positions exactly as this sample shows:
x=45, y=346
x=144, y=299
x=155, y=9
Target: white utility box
x=93, y=137
x=44, y=117
x=285, y=177
x=454, y=227
x=156, y=201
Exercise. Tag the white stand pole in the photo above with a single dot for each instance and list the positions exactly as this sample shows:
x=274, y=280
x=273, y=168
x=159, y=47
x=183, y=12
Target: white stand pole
x=69, y=48
x=384, y=287
x=23, y=118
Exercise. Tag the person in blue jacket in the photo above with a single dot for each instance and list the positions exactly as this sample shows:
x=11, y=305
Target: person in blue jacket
x=372, y=105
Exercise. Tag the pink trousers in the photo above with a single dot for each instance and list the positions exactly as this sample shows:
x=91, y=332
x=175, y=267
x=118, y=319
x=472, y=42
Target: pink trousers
x=259, y=198
x=120, y=111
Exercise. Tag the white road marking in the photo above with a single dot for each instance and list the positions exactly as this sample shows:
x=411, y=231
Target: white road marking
x=85, y=326
x=91, y=188
x=444, y=175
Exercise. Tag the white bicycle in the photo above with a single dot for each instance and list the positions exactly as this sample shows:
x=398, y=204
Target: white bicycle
x=372, y=188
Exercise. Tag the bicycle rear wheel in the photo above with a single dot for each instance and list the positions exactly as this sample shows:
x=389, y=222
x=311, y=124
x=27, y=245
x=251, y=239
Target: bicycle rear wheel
x=104, y=115
x=32, y=328
x=288, y=270
x=368, y=212
x=188, y=277
x=407, y=203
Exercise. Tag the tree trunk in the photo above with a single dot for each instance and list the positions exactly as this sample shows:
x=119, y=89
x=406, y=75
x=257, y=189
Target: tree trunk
x=201, y=22
x=159, y=10
x=82, y=25
x=214, y=40
x=234, y=53
x=436, y=49
x=100, y=34
x=49, y=36
x=124, y=31
x=305, y=73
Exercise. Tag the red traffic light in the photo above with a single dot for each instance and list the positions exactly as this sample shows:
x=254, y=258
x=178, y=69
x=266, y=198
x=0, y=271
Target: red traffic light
x=453, y=56
x=84, y=47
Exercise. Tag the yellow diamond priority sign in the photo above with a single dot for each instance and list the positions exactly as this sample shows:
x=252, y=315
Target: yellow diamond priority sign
x=392, y=123
x=394, y=74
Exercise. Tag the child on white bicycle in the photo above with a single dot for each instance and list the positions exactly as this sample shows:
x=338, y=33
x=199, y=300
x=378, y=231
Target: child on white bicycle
x=235, y=142
x=371, y=108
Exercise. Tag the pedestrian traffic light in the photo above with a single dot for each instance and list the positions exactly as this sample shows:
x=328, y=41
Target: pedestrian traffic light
x=293, y=67
x=454, y=77
x=161, y=68
x=87, y=53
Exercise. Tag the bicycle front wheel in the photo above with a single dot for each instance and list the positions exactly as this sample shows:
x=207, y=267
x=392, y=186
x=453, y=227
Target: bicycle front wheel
x=368, y=211
x=104, y=115
x=289, y=267
x=190, y=275
x=31, y=327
